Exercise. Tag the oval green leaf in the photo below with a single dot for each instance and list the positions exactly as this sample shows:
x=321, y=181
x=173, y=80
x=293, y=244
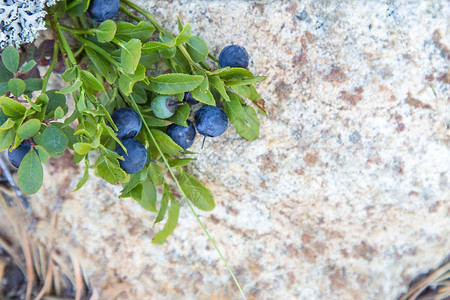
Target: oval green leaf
x=197, y=48
x=10, y=58
x=30, y=174
x=12, y=108
x=53, y=140
x=29, y=129
x=169, y=84
x=199, y=195
x=106, y=31
x=16, y=86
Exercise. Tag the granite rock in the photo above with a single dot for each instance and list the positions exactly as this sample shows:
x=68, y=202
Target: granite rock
x=344, y=196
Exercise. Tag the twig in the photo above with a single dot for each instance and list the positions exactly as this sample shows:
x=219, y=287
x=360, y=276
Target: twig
x=48, y=279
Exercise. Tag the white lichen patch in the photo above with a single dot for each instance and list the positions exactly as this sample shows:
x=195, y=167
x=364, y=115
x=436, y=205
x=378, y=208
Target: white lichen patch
x=21, y=20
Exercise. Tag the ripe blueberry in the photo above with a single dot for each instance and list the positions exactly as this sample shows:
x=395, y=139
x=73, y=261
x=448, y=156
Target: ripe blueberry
x=183, y=136
x=136, y=158
x=101, y=10
x=128, y=123
x=234, y=56
x=211, y=121
x=164, y=106
x=16, y=156
x=189, y=99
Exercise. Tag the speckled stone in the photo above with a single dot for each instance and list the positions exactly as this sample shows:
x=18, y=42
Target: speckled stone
x=344, y=196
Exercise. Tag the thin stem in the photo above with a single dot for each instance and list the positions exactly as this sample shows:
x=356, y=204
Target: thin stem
x=51, y=67
x=79, y=51
x=84, y=22
x=136, y=108
x=75, y=30
x=100, y=51
x=213, y=57
x=130, y=14
x=57, y=28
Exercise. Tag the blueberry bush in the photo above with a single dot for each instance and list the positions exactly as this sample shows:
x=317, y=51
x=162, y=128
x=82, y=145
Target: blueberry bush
x=133, y=84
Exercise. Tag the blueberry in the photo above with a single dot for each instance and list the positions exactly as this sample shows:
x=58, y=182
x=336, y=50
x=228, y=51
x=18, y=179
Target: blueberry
x=16, y=156
x=164, y=106
x=136, y=158
x=211, y=121
x=233, y=56
x=101, y=10
x=128, y=123
x=183, y=136
x=189, y=99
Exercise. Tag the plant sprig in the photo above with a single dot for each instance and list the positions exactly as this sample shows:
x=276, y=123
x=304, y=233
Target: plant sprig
x=110, y=66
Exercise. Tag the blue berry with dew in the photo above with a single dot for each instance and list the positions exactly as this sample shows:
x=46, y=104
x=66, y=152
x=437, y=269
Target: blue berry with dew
x=102, y=10
x=136, y=158
x=16, y=156
x=210, y=121
x=182, y=135
x=234, y=56
x=128, y=123
x=164, y=106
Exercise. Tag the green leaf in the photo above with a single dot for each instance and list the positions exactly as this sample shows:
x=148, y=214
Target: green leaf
x=106, y=31
x=29, y=129
x=130, y=55
x=5, y=75
x=153, y=121
x=109, y=169
x=85, y=177
x=60, y=9
x=7, y=138
x=43, y=155
x=148, y=60
x=148, y=201
x=181, y=115
x=180, y=162
x=10, y=58
x=59, y=113
x=142, y=31
x=168, y=84
x=12, y=108
x=245, y=81
x=71, y=88
x=139, y=94
x=9, y=123
x=184, y=35
x=33, y=84
x=197, y=49
x=155, y=174
x=199, y=195
x=90, y=81
x=82, y=148
x=33, y=105
x=243, y=118
x=165, y=143
x=228, y=73
x=3, y=88
x=171, y=224
x=70, y=74
x=203, y=94
x=127, y=81
x=164, y=204
x=28, y=66
x=151, y=47
x=242, y=90
x=16, y=86
x=54, y=101
x=217, y=83
x=30, y=174
x=102, y=65
x=53, y=140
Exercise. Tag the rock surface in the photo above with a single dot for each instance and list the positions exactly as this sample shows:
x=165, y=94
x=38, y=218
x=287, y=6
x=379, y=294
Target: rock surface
x=344, y=196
